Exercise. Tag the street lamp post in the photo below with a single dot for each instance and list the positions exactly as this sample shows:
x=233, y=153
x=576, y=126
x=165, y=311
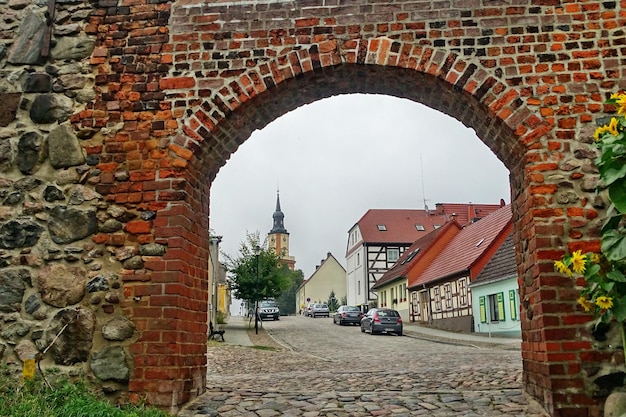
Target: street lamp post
x=257, y=251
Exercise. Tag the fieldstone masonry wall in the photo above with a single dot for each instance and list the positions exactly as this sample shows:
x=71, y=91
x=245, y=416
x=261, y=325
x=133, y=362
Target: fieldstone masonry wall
x=116, y=115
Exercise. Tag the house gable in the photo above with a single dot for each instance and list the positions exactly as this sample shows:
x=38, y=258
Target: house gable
x=470, y=250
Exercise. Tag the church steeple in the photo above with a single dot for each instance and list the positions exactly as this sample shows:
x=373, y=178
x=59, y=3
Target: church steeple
x=279, y=217
x=278, y=237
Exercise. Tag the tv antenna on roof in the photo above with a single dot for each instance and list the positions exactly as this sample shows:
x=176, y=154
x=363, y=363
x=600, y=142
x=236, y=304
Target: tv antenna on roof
x=423, y=192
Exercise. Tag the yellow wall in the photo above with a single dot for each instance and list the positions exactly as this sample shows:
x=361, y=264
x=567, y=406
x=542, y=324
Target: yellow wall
x=223, y=298
x=330, y=276
x=395, y=290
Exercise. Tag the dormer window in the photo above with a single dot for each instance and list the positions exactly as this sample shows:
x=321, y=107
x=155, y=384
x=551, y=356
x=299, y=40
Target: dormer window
x=420, y=227
x=381, y=228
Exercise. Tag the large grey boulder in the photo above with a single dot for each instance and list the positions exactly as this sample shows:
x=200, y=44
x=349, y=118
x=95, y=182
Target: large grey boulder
x=13, y=284
x=110, y=364
x=68, y=225
x=64, y=148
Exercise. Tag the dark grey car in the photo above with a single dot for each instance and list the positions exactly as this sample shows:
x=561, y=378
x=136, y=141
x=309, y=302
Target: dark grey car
x=382, y=320
x=347, y=314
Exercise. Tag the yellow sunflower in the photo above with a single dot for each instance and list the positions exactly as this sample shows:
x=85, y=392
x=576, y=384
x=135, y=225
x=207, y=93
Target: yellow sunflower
x=613, y=126
x=562, y=268
x=595, y=258
x=578, y=262
x=599, y=133
x=604, y=302
x=620, y=101
x=585, y=303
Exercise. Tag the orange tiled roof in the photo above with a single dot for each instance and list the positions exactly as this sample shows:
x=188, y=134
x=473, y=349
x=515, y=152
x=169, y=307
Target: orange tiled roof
x=467, y=247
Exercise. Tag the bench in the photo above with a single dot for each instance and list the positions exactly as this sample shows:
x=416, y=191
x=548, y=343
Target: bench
x=214, y=333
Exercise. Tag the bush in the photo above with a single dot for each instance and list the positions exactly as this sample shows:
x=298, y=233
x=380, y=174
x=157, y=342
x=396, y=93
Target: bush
x=63, y=398
x=220, y=317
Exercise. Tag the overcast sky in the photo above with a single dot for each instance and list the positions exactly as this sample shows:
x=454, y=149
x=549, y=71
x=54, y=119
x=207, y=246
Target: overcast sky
x=334, y=159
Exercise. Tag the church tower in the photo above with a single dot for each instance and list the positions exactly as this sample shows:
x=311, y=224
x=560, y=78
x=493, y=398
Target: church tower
x=278, y=237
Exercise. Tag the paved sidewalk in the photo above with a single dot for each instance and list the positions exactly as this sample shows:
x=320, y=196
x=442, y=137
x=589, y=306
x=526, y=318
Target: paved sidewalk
x=237, y=331
x=468, y=339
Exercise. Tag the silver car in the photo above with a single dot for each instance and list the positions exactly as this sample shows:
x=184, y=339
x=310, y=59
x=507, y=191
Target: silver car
x=269, y=309
x=382, y=320
x=319, y=310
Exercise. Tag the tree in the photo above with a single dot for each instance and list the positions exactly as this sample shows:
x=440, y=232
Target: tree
x=333, y=304
x=256, y=277
x=287, y=300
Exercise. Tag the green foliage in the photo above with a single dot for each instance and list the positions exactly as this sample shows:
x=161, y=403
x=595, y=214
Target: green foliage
x=332, y=302
x=256, y=277
x=220, y=317
x=287, y=300
x=344, y=300
x=64, y=398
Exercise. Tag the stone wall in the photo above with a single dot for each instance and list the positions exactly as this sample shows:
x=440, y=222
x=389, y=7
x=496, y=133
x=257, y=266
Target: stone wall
x=56, y=276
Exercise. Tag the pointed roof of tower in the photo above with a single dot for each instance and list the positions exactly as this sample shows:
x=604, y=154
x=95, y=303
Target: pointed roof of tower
x=279, y=217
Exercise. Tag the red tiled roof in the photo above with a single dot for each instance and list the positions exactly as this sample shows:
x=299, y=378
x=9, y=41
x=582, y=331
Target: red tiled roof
x=421, y=245
x=467, y=247
x=400, y=225
x=465, y=213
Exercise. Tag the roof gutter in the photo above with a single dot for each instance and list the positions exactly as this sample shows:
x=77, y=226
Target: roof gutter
x=457, y=274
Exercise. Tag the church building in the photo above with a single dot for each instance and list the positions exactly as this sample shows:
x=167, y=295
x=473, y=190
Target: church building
x=278, y=237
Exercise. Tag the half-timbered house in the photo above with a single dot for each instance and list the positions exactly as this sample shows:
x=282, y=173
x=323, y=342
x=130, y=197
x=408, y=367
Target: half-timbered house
x=381, y=236
x=440, y=288
x=392, y=286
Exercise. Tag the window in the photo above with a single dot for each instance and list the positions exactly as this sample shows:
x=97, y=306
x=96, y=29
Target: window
x=404, y=292
x=382, y=227
x=496, y=307
x=436, y=226
x=420, y=227
x=447, y=289
x=358, y=287
x=437, y=298
x=393, y=254
x=513, y=304
x=411, y=256
x=462, y=286
x=358, y=259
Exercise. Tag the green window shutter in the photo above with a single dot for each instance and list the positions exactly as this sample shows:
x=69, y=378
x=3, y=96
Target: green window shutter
x=483, y=312
x=500, y=297
x=512, y=305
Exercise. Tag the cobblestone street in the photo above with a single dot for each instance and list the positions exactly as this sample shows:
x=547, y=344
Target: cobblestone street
x=329, y=370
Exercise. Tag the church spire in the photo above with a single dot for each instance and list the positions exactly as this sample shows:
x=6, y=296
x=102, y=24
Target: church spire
x=279, y=226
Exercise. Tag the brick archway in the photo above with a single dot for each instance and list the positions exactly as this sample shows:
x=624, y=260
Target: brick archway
x=188, y=82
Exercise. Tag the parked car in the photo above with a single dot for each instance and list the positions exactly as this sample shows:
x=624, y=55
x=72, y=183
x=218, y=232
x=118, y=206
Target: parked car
x=269, y=309
x=319, y=310
x=307, y=310
x=347, y=314
x=379, y=320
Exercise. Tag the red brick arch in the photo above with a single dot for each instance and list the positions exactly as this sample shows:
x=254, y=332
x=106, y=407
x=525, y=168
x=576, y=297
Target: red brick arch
x=189, y=82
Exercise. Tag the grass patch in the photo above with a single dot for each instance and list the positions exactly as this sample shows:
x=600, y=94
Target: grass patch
x=264, y=348
x=64, y=398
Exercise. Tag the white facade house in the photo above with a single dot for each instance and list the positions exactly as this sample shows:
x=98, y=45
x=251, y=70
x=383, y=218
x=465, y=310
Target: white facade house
x=378, y=239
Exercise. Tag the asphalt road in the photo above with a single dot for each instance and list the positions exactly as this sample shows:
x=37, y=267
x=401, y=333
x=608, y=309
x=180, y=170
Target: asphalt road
x=331, y=370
